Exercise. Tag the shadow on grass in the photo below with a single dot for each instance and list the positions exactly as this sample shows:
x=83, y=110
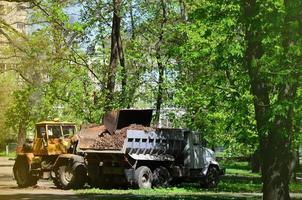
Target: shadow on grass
x=241, y=178
x=127, y=196
x=235, y=165
x=130, y=196
x=21, y=196
x=229, y=183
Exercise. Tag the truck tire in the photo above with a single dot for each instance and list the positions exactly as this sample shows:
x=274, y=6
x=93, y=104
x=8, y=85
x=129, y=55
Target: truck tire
x=212, y=178
x=161, y=177
x=22, y=174
x=143, y=177
x=68, y=177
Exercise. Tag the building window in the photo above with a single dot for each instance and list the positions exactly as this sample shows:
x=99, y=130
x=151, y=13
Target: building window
x=2, y=10
x=20, y=26
x=20, y=7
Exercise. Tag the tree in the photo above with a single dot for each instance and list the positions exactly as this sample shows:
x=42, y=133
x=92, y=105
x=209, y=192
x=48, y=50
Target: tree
x=211, y=84
x=274, y=79
x=246, y=50
x=116, y=52
x=160, y=65
x=49, y=64
x=7, y=87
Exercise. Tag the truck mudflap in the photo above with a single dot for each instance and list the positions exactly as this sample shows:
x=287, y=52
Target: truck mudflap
x=129, y=174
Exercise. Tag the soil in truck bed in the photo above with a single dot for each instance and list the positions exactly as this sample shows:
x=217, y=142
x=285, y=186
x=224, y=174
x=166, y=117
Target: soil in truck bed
x=103, y=140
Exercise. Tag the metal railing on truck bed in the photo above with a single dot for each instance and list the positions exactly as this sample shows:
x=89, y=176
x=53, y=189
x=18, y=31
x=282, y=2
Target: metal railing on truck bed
x=160, y=145
x=163, y=144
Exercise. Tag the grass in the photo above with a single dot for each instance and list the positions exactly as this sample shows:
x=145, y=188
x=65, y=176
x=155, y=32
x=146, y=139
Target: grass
x=185, y=193
x=10, y=154
x=238, y=179
x=238, y=183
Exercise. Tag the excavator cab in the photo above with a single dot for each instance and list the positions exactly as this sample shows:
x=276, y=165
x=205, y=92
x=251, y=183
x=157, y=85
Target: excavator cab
x=53, y=137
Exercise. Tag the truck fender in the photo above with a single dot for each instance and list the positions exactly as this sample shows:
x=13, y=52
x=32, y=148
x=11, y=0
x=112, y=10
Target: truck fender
x=28, y=156
x=214, y=162
x=65, y=159
x=211, y=163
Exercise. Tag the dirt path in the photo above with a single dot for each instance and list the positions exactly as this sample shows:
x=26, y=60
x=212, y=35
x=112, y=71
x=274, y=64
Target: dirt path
x=44, y=190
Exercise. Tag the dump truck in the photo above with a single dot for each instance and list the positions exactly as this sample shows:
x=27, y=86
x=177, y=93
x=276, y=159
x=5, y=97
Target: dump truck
x=126, y=151
x=50, y=155
x=123, y=151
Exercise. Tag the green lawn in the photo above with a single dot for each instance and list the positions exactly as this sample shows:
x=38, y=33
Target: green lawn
x=10, y=155
x=183, y=192
x=238, y=181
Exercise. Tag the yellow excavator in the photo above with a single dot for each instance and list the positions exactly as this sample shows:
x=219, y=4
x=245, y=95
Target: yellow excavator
x=50, y=155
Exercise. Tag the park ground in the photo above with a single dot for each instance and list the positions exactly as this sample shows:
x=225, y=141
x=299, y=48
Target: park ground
x=238, y=183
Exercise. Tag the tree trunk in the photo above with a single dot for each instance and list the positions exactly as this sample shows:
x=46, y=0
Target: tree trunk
x=114, y=54
x=255, y=161
x=159, y=99
x=132, y=21
x=183, y=11
x=123, y=72
x=132, y=88
x=21, y=134
x=275, y=137
x=161, y=68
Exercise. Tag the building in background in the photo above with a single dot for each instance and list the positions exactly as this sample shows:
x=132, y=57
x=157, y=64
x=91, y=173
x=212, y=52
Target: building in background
x=14, y=14
x=13, y=17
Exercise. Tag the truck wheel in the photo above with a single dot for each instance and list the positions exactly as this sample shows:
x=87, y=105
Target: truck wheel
x=22, y=174
x=68, y=177
x=161, y=177
x=143, y=177
x=212, y=178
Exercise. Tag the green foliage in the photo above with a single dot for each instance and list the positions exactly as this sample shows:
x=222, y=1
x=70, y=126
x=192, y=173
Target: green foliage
x=8, y=85
x=212, y=85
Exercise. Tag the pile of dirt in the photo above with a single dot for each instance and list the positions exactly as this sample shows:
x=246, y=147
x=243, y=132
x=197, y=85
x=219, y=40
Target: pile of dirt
x=107, y=141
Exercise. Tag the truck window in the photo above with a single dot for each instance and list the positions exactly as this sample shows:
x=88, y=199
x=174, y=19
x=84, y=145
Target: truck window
x=40, y=131
x=54, y=132
x=68, y=131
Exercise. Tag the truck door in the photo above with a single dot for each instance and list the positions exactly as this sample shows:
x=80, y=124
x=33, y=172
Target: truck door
x=55, y=140
x=193, y=151
x=40, y=141
x=198, y=159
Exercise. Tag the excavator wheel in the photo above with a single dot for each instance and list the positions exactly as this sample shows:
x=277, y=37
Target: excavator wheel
x=22, y=174
x=70, y=177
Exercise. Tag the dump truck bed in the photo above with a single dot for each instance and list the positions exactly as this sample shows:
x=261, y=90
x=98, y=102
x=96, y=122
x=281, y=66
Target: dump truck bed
x=140, y=143
x=129, y=132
